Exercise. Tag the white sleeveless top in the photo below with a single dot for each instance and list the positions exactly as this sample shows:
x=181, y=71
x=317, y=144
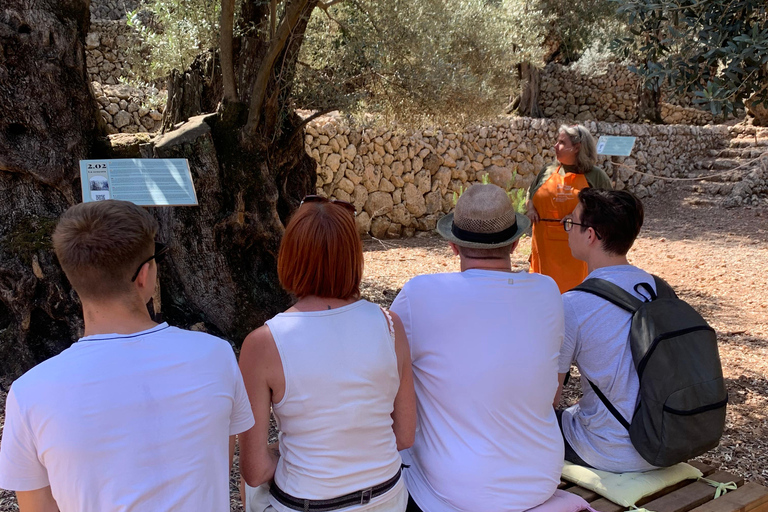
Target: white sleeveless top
x=335, y=421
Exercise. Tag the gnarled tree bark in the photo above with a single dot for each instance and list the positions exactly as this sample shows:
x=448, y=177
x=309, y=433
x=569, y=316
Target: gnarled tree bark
x=222, y=269
x=527, y=103
x=48, y=121
x=649, y=104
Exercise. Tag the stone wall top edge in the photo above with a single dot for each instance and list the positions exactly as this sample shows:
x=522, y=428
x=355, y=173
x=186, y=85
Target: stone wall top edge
x=596, y=127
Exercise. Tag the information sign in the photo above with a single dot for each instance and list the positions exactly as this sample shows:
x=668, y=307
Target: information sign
x=615, y=146
x=142, y=181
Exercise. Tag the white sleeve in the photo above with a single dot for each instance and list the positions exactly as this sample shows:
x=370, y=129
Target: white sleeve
x=570, y=347
x=401, y=306
x=20, y=467
x=241, y=418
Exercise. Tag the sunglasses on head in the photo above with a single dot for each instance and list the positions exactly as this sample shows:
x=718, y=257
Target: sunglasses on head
x=320, y=199
x=160, y=251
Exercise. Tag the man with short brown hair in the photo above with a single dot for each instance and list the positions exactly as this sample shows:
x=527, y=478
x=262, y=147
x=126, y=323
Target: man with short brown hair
x=134, y=415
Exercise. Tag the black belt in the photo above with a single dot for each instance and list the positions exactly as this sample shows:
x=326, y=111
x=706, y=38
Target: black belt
x=354, y=498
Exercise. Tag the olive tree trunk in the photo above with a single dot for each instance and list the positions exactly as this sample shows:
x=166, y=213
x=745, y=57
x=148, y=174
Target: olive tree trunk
x=526, y=103
x=48, y=121
x=221, y=275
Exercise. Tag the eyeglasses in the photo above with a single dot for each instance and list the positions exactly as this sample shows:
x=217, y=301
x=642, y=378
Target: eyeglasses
x=568, y=225
x=320, y=199
x=160, y=251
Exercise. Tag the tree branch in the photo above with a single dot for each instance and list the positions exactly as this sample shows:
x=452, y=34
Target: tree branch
x=272, y=18
x=227, y=59
x=291, y=18
x=325, y=5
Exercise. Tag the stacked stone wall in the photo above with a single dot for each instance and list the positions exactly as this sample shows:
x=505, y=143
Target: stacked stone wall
x=401, y=182
x=106, y=55
x=607, y=92
x=112, y=9
x=125, y=109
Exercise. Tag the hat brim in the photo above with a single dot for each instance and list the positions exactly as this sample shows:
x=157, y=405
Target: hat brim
x=444, y=228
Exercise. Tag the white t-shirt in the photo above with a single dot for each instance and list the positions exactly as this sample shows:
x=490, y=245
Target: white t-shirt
x=484, y=346
x=128, y=422
x=597, y=340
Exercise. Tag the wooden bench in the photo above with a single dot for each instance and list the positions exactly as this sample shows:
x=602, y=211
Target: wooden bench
x=689, y=495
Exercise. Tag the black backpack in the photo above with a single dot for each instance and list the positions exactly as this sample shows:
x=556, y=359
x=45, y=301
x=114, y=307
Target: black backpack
x=680, y=411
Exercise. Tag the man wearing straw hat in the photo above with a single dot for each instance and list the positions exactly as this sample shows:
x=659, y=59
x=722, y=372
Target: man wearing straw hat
x=485, y=344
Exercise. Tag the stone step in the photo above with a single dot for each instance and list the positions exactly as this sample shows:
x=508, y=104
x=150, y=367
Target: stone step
x=713, y=189
x=737, y=152
x=760, y=131
x=718, y=164
x=745, y=142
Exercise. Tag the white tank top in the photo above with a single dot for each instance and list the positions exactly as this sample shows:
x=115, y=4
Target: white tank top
x=335, y=419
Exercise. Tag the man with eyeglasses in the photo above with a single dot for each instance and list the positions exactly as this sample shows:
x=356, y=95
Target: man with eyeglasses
x=134, y=415
x=601, y=230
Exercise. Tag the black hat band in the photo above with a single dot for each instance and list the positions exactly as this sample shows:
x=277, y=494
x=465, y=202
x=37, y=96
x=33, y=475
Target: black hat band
x=484, y=238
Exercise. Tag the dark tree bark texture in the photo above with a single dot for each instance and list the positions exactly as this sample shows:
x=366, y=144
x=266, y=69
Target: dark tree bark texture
x=223, y=265
x=527, y=103
x=48, y=121
x=649, y=104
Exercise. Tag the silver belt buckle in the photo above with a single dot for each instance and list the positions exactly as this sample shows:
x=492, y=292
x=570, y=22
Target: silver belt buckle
x=365, y=496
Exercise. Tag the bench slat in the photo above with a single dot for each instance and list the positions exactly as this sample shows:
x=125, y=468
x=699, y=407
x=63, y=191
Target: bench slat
x=604, y=505
x=748, y=497
x=691, y=496
x=584, y=493
x=704, y=468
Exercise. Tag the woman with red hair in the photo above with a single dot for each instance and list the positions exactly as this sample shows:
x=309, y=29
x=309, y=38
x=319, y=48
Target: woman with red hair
x=336, y=371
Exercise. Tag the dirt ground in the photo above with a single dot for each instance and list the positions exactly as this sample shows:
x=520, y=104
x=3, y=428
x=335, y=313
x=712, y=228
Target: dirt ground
x=716, y=259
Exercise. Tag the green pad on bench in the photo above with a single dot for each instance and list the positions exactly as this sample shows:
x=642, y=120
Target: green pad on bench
x=627, y=489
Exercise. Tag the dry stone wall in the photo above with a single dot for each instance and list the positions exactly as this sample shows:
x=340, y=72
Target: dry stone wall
x=105, y=51
x=112, y=9
x=402, y=182
x=607, y=92
x=125, y=109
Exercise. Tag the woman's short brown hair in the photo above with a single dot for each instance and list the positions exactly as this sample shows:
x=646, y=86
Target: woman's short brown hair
x=321, y=253
x=100, y=245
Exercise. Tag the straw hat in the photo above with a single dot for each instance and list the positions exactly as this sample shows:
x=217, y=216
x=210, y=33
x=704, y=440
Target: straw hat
x=484, y=218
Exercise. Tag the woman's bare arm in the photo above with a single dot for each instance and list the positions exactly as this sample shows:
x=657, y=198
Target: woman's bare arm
x=260, y=365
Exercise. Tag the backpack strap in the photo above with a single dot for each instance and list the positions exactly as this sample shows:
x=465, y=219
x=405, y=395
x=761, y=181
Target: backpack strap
x=663, y=290
x=610, y=292
x=607, y=403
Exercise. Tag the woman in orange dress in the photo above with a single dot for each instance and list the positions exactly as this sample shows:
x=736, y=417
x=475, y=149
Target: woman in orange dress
x=553, y=195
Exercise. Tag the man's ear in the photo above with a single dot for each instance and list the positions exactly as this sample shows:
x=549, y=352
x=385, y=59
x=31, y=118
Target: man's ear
x=454, y=248
x=142, y=279
x=514, y=246
x=593, y=237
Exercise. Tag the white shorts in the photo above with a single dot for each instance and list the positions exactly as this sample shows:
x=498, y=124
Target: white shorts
x=257, y=500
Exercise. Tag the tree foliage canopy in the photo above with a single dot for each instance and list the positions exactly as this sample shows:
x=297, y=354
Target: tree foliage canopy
x=418, y=59
x=413, y=59
x=173, y=33
x=715, y=49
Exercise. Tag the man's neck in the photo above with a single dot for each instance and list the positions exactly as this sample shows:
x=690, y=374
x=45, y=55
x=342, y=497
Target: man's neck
x=496, y=264
x=115, y=317
x=602, y=259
